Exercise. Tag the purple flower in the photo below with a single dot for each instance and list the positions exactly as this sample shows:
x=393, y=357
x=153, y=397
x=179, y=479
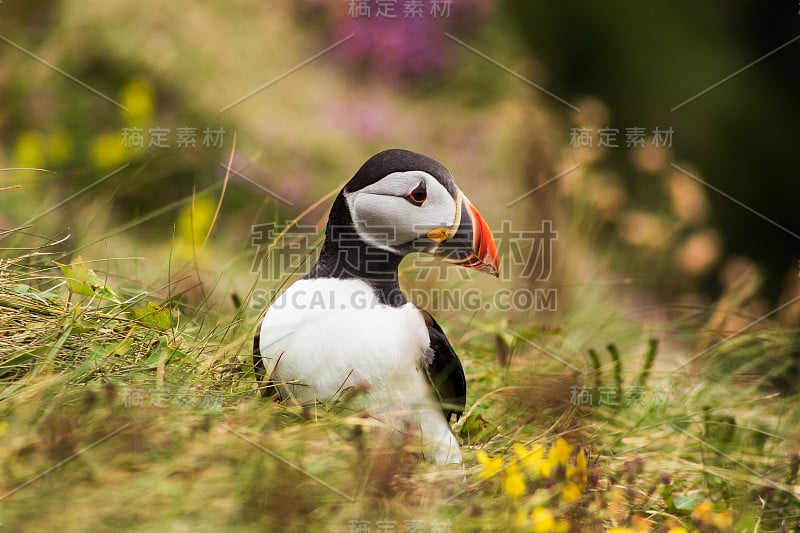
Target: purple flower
x=390, y=44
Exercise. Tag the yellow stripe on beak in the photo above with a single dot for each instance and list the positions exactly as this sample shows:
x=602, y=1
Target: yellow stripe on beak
x=438, y=234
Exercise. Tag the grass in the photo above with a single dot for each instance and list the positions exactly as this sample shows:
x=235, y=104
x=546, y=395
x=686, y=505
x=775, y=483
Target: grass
x=133, y=405
x=128, y=403
x=122, y=409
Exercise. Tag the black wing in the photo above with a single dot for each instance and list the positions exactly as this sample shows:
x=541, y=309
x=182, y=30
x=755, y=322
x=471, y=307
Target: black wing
x=445, y=372
x=259, y=369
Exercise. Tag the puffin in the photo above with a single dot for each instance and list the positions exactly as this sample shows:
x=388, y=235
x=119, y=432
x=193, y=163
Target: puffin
x=347, y=325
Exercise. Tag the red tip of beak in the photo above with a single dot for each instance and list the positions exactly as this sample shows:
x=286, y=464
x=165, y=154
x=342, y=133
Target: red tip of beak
x=484, y=250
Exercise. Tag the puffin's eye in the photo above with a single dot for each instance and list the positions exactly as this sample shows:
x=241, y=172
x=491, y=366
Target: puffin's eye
x=419, y=194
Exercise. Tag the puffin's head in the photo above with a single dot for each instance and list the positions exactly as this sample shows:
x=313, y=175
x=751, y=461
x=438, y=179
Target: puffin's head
x=404, y=202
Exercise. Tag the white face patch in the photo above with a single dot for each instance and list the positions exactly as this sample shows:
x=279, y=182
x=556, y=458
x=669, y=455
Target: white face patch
x=385, y=218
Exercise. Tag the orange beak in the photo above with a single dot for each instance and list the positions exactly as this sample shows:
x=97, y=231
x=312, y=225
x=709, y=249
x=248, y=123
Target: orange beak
x=472, y=244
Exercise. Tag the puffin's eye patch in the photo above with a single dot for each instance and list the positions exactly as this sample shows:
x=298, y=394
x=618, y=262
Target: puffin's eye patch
x=419, y=194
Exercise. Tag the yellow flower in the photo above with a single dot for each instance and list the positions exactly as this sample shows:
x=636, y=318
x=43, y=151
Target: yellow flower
x=513, y=483
x=491, y=465
x=677, y=530
x=542, y=520
x=545, y=468
x=522, y=453
x=723, y=521
x=570, y=493
x=137, y=96
x=107, y=151
x=533, y=461
x=703, y=511
x=559, y=454
x=29, y=150
x=192, y=227
x=563, y=526
x=620, y=530
x=581, y=467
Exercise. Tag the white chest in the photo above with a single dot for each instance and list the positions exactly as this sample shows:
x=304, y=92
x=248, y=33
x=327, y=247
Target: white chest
x=325, y=335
